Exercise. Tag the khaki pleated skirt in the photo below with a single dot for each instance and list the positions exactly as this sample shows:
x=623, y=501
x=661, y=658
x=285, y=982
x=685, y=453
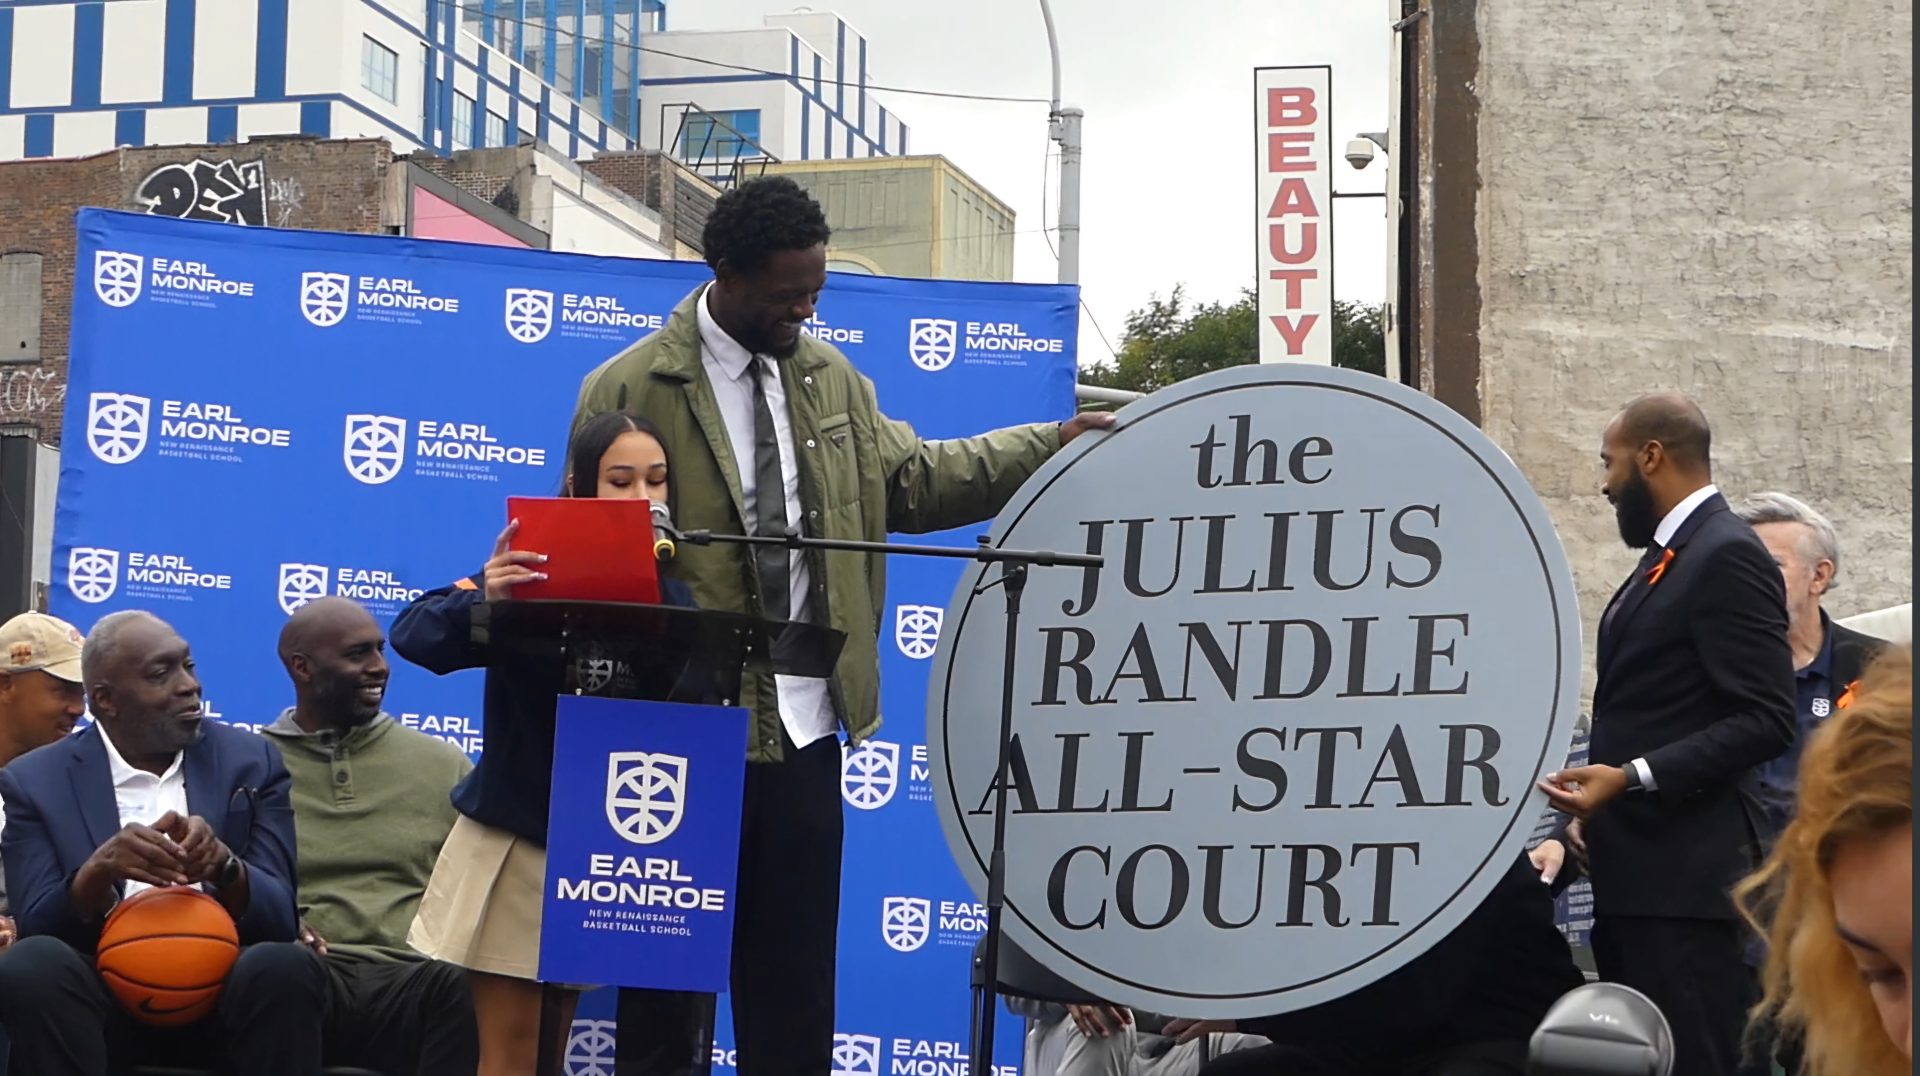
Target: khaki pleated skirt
x=482, y=906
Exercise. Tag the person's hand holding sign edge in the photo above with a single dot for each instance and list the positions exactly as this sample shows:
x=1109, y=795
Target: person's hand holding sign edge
x=508, y=567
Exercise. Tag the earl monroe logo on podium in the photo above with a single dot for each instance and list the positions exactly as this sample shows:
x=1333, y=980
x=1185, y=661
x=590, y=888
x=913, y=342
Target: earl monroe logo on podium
x=1286, y=739
x=643, y=844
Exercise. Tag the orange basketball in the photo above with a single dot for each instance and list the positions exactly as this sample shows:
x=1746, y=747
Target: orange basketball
x=165, y=954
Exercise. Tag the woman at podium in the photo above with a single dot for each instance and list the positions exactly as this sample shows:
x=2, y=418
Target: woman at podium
x=482, y=908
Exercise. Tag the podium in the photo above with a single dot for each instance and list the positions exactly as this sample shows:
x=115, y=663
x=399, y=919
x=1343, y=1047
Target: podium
x=657, y=653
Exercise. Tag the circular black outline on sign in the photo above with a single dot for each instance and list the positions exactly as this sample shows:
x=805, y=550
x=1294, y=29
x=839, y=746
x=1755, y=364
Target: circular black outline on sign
x=1559, y=674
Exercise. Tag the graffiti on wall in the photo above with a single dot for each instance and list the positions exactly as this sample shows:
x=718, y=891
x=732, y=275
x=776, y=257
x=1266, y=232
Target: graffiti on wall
x=285, y=197
x=32, y=392
x=208, y=190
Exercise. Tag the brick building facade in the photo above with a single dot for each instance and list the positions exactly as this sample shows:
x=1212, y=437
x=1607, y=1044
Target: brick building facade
x=279, y=182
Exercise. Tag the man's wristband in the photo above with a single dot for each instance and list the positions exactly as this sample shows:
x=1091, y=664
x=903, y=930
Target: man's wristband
x=229, y=872
x=1633, y=777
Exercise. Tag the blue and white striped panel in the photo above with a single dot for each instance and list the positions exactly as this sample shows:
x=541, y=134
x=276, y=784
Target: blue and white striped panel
x=40, y=61
x=224, y=42
x=134, y=64
x=176, y=126
x=76, y=134
x=268, y=118
x=13, y=137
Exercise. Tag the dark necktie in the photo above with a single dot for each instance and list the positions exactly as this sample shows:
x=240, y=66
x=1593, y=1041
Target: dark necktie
x=769, y=504
x=1639, y=579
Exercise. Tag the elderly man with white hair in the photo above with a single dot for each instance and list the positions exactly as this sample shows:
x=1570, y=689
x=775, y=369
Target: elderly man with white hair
x=1827, y=657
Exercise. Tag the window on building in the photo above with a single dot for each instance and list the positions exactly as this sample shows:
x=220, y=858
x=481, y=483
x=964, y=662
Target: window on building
x=380, y=69
x=473, y=19
x=708, y=136
x=462, y=120
x=20, y=309
x=496, y=129
x=565, y=77
x=506, y=34
x=533, y=51
x=590, y=81
x=625, y=53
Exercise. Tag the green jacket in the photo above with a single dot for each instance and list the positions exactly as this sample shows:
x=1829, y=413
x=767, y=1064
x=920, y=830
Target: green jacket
x=862, y=475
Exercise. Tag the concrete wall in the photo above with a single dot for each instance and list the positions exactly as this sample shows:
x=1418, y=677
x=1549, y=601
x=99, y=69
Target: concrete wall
x=909, y=216
x=1714, y=197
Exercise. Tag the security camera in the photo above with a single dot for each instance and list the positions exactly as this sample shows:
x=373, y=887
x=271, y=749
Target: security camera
x=1360, y=152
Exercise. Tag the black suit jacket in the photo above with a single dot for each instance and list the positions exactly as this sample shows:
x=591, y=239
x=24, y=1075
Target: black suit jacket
x=1491, y=980
x=61, y=807
x=1696, y=677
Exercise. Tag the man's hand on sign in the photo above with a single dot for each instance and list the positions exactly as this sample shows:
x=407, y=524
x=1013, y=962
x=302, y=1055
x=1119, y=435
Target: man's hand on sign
x=1099, y=1021
x=1184, y=1031
x=509, y=566
x=1548, y=857
x=1082, y=422
x=1584, y=789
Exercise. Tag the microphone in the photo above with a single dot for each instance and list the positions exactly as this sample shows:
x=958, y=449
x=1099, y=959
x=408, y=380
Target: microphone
x=1602, y=1029
x=663, y=532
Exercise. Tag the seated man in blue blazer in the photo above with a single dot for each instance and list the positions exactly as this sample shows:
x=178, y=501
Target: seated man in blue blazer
x=151, y=795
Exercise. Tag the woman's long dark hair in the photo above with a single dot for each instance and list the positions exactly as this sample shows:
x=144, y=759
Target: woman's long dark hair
x=591, y=441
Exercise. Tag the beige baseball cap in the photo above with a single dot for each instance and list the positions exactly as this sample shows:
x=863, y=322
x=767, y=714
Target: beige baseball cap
x=36, y=641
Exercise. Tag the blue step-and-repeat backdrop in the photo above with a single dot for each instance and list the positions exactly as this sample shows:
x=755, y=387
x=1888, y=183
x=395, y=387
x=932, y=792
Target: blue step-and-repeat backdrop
x=259, y=417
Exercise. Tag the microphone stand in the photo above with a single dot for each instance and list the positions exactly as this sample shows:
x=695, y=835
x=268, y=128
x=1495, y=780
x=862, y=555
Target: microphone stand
x=1014, y=565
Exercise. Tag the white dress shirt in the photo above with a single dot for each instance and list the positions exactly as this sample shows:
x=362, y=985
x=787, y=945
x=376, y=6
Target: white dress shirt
x=142, y=797
x=806, y=707
x=1661, y=536
x=1672, y=521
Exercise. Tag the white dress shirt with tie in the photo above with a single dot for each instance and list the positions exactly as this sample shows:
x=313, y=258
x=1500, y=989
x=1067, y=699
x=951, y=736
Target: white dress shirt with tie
x=806, y=707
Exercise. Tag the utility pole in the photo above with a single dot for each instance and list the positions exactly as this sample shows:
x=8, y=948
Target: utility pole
x=1063, y=124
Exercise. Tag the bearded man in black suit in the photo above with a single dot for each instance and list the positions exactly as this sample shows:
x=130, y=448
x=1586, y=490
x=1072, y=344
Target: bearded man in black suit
x=1695, y=690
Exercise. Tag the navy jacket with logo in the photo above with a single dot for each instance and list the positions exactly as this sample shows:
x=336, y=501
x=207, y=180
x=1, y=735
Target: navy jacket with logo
x=512, y=783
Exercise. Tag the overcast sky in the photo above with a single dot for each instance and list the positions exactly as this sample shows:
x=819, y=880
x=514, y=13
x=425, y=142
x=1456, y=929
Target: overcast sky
x=1167, y=179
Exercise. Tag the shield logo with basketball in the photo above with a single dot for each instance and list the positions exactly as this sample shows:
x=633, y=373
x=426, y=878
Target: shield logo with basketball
x=646, y=795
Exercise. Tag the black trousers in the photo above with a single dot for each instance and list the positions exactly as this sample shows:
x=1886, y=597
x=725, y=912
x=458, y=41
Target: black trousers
x=1695, y=971
x=786, y=925
x=63, y=1022
x=412, y=1018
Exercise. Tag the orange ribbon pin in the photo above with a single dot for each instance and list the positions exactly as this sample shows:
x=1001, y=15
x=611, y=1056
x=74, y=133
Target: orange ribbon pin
x=1846, y=696
x=1654, y=573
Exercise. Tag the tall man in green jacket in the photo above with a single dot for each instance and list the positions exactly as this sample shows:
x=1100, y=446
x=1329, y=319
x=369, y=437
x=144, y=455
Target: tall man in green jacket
x=747, y=403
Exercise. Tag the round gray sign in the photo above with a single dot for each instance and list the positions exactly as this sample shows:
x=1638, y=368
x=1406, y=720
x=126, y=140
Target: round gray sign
x=1287, y=738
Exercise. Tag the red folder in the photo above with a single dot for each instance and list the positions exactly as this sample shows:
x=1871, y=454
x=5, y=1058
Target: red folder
x=597, y=550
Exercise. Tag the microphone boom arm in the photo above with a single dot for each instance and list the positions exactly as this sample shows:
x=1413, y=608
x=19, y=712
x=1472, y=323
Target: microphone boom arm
x=984, y=553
